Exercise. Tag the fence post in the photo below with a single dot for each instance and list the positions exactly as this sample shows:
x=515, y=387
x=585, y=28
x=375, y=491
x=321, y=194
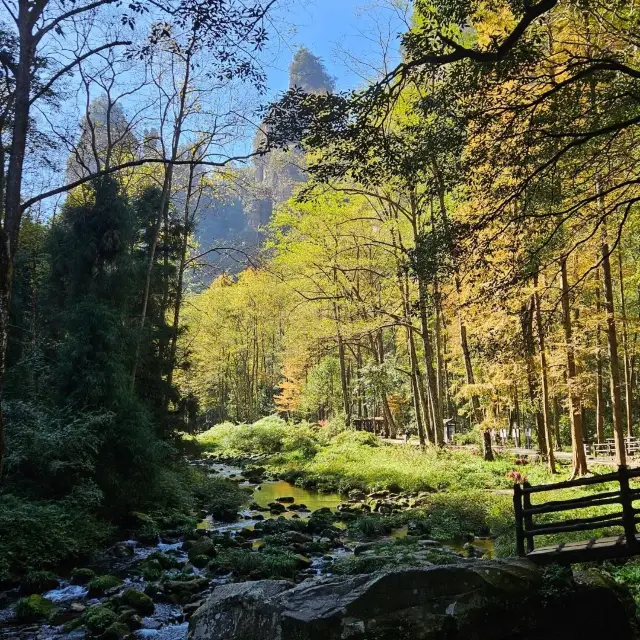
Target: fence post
x=517, y=508
x=627, y=507
x=528, y=518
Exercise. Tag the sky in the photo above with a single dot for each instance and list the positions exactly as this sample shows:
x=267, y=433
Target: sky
x=350, y=36
x=344, y=33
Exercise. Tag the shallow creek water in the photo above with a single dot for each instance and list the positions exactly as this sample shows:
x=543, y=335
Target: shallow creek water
x=168, y=620
x=168, y=617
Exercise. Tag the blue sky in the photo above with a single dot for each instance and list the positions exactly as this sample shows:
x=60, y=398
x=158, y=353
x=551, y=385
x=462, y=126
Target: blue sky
x=332, y=29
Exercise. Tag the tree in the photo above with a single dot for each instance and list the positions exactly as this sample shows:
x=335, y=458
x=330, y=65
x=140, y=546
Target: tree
x=233, y=28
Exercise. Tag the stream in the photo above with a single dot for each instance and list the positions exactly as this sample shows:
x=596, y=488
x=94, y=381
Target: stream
x=169, y=621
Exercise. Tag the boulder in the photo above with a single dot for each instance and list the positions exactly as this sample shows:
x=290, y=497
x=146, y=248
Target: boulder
x=203, y=547
x=475, y=601
x=234, y=612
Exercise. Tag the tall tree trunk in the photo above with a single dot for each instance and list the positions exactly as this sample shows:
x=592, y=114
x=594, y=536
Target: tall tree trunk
x=343, y=381
x=579, y=461
x=440, y=373
x=432, y=383
x=625, y=350
x=475, y=402
x=163, y=208
x=546, y=414
x=527, y=316
x=556, y=421
x=377, y=348
x=599, y=376
x=173, y=348
x=11, y=216
x=614, y=367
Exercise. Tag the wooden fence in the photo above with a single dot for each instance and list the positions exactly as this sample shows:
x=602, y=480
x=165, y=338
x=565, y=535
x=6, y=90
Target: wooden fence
x=626, y=518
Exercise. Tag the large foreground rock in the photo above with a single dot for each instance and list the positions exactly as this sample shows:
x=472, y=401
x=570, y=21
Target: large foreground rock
x=476, y=601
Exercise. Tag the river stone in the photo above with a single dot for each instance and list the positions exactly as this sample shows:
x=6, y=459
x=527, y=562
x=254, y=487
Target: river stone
x=203, y=547
x=233, y=612
x=477, y=601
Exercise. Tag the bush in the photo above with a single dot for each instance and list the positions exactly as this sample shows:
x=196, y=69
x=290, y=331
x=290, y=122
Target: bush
x=268, y=436
x=50, y=453
x=351, y=437
x=256, y=565
x=44, y=534
x=221, y=497
x=82, y=575
x=453, y=516
x=39, y=582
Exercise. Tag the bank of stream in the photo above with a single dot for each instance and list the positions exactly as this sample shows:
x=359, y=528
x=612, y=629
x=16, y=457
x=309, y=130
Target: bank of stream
x=284, y=531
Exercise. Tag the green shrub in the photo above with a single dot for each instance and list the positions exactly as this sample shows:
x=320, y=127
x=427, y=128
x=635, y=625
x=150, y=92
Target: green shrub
x=453, y=516
x=43, y=534
x=352, y=437
x=151, y=569
x=220, y=497
x=82, y=575
x=39, y=582
x=256, y=565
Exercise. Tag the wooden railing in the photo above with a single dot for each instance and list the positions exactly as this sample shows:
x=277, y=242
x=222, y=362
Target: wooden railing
x=626, y=517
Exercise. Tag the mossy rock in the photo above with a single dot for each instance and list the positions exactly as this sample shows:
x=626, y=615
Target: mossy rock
x=116, y=631
x=151, y=570
x=99, y=618
x=202, y=547
x=166, y=561
x=39, y=582
x=130, y=617
x=200, y=562
x=82, y=575
x=100, y=585
x=137, y=600
x=33, y=608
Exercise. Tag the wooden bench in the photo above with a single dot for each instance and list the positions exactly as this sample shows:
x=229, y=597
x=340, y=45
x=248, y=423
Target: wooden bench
x=627, y=543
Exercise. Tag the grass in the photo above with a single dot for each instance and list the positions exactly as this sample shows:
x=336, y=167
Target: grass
x=463, y=493
x=355, y=460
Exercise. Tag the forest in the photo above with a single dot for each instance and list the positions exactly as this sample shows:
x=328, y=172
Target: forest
x=316, y=337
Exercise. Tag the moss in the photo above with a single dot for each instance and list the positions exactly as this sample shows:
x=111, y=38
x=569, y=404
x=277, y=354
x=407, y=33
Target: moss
x=255, y=565
x=33, y=608
x=200, y=562
x=151, y=569
x=39, y=582
x=353, y=565
x=82, y=575
x=166, y=561
x=100, y=585
x=145, y=528
x=137, y=600
x=116, y=631
x=99, y=618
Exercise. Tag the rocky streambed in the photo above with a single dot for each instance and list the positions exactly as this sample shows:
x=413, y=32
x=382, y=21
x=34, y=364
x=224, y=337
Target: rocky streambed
x=150, y=588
